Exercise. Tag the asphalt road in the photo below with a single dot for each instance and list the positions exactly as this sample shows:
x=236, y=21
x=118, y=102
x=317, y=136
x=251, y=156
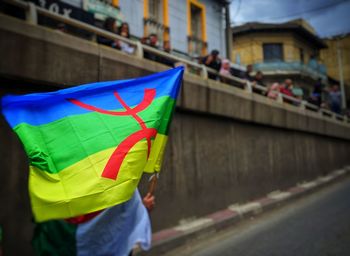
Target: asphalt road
x=318, y=224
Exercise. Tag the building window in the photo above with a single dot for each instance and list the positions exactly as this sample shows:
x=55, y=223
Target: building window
x=196, y=23
x=273, y=52
x=156, y=19
x=196, y=28
x=155, y=10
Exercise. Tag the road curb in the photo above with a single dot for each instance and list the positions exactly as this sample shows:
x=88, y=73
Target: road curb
x=168, y=239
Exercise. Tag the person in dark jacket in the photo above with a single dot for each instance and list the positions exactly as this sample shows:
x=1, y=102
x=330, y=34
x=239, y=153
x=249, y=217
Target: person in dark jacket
x=246, y=75
x=212, y=61
x=152, y=41
x=259, y=80
x=111, y=26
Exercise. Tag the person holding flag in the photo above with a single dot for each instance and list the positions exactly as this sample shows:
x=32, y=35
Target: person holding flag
x=87, y=148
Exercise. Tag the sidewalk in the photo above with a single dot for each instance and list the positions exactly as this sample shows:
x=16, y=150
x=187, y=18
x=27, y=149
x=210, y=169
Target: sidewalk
x=168, y=239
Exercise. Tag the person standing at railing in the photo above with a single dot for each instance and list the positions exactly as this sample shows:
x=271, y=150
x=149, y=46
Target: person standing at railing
x=273, y=91
x=225, y=70
x=111, y=26
x=124, y=31
x=259, y=80
x=334, y=98
x=151, y=41
x=247, y=74
x=317, y=92
x=212, y=61
x=286, y=89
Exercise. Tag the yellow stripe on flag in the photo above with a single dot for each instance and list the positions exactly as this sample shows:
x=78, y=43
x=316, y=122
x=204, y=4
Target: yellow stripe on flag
x=156, y=156
x=80, y=189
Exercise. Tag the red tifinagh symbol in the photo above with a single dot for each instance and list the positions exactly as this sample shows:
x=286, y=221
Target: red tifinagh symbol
x=112, y=167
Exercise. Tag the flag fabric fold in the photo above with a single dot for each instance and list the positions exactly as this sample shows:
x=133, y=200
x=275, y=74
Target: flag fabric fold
x=89, y=145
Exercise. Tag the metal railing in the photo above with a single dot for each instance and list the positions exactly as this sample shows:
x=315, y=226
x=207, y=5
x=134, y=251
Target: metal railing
x=313, y=68
x=32, y=11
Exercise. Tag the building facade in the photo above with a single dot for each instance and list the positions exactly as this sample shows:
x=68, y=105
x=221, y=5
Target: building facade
x=336, y=55
x=290, y=49
x=193, y=27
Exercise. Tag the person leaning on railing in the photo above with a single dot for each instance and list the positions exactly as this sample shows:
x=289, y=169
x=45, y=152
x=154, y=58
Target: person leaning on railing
x=286, y=89
x=225, y=67
x=111, y=26
x=124, y=31
x=152, y=41
x=273, y=91
x=247, y=74
x=334, y=98
x=225, y=71
x=316, y=95
x=259, y=80
x=212, y=61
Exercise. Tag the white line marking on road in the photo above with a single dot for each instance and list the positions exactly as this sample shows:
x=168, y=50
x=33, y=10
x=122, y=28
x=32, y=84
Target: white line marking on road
x=249, y=207
x=325, y=179
x=308, y=185
x=278, y=195
x=198, y=223
x=339, y=172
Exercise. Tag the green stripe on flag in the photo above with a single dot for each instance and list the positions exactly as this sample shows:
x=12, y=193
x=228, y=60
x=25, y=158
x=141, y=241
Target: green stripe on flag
x=74, y=138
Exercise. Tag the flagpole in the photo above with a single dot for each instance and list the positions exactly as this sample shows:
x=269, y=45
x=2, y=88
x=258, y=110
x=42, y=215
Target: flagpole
x=153, y=183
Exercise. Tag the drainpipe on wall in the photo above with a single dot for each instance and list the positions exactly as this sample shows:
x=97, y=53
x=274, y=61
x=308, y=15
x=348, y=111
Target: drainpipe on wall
x=341, y=74
x=228, y=34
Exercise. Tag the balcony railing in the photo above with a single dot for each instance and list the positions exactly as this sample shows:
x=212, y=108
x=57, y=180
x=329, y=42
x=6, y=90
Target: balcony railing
x=312, y=69
x=32, y=11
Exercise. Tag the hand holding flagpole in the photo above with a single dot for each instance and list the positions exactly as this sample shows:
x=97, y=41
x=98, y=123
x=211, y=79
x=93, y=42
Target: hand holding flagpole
x=149, y=199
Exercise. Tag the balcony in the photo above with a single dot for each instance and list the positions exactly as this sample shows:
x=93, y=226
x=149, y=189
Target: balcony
x=312, y=69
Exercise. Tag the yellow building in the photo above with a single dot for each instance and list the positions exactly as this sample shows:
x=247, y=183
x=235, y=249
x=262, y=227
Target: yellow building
x=330, y=57
x=290, y=49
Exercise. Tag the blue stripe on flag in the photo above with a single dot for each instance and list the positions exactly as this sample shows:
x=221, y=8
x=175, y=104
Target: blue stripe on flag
x=42, y=108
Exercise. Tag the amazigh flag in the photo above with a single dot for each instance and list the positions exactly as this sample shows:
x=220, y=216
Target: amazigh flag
x=89, y=145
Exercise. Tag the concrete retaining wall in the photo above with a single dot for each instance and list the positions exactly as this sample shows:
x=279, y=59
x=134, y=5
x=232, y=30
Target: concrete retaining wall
x=226, y=145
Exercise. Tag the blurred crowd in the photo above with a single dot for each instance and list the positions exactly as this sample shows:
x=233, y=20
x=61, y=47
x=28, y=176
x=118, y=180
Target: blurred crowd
x=123, y=30
x=326, y=97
